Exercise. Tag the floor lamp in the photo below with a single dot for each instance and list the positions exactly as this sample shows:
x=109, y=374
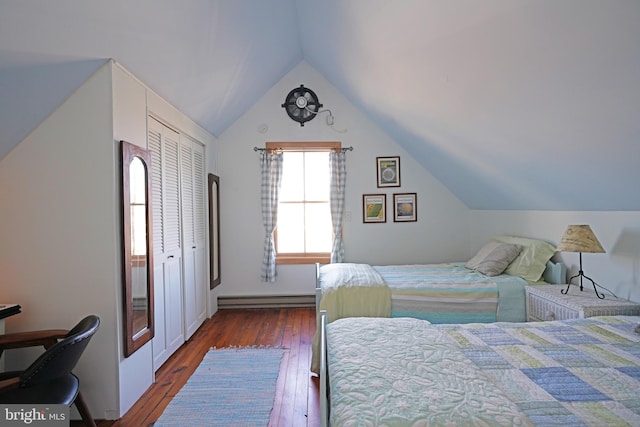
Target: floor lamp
x=580, y=238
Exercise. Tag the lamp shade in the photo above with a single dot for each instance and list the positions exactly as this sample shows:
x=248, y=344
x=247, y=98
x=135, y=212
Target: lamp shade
x=579, y=238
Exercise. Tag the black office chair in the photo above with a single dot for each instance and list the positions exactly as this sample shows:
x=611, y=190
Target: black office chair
x=49, y=379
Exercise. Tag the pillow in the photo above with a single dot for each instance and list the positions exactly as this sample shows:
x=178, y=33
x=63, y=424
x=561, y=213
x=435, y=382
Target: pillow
x=532, y=260
x=493, y=258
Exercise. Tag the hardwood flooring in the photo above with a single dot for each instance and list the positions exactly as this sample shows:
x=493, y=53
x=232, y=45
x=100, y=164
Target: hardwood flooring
x=296, y=402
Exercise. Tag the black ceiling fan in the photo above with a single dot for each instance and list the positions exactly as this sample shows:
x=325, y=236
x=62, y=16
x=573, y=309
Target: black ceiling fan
x=302, y=105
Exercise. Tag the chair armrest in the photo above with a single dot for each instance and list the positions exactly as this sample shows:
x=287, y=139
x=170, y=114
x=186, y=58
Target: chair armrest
x=46, y=338
x=9, y=383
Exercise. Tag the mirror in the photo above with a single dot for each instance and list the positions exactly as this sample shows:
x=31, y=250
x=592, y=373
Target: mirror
x=138, y=247
x=214, y=230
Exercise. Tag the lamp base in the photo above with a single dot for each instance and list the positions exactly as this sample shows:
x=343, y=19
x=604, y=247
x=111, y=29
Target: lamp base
x=581, y=275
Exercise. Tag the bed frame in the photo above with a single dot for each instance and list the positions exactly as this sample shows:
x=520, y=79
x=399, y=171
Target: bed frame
x=323, y=375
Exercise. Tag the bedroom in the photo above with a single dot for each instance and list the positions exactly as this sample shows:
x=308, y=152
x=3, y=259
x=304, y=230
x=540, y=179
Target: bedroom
x=526, y=148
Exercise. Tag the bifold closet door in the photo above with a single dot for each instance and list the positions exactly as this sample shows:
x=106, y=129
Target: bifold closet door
x=195, y=286
x=164, y=145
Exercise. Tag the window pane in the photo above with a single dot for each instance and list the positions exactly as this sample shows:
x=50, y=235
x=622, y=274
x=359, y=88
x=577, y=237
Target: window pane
x=316, y=170
x=138, y=229
x=318, y=229
x=292, y=188
x=137, y=181
x=290, y=228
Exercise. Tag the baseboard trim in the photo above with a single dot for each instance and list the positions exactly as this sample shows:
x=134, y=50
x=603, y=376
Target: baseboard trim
x=267, y=301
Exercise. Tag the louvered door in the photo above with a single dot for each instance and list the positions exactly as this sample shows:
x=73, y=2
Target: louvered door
x=192, y=175
x=164, y=145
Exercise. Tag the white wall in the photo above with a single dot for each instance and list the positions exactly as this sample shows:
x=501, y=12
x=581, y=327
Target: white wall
x=440, y=234
x=59, y=254
x=619, y=233
x=28, y=98
x=135, y=374
x=446, y=229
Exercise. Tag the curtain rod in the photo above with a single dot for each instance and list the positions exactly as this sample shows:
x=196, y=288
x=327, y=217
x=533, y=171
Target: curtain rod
x=303, y=149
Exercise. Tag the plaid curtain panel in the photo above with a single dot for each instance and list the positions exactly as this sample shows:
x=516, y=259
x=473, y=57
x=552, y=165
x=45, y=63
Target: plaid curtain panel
x=338, y=171
x=271, y=170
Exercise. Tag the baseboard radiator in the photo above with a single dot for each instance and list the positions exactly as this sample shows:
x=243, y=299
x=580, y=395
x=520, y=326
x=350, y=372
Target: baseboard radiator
x=267, y=301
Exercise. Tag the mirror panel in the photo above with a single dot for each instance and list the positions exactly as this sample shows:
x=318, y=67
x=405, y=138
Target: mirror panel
x=214, y=230
x=138, y=247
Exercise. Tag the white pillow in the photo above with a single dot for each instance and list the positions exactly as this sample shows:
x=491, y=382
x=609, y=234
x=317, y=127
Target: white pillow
x=493, y=258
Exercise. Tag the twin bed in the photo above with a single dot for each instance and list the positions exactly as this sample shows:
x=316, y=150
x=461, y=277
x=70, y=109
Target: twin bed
x=409, y=372
x=447, y=345
x=440, y=293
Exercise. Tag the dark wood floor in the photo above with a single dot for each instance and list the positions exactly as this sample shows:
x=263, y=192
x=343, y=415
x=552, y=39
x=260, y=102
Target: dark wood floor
x=296, y=402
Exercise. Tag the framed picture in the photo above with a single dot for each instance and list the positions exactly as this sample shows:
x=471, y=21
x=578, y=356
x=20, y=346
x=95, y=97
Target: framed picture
x=388, y=171
x=404, y=207
x=374, y=208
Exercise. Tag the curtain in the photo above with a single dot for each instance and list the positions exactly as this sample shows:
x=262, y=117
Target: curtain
x=338, y=176
x=271, y=169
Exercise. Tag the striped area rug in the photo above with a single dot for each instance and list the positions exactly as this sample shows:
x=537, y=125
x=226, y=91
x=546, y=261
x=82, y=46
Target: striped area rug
x=231, y=387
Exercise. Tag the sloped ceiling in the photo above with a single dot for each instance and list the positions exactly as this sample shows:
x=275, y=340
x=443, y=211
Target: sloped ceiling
x=527, y=104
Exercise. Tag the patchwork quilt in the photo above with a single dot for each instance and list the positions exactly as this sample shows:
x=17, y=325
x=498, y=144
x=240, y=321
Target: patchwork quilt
x=402, y=371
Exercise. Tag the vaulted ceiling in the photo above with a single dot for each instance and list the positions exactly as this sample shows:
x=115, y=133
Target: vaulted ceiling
x=525, y=104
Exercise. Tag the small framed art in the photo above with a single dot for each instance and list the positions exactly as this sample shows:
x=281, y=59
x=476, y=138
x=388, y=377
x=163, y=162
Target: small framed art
x=388, y=171
x=374, y=208
x=404, y=207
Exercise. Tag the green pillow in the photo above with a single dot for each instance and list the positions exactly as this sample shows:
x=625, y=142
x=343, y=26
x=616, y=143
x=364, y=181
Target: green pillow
x=532, y=260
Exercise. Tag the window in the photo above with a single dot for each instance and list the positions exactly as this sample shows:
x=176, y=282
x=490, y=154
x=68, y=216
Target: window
x=138, y=210
x=304, y=231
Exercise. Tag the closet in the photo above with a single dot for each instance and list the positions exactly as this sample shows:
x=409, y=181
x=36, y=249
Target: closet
x=179, y=230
